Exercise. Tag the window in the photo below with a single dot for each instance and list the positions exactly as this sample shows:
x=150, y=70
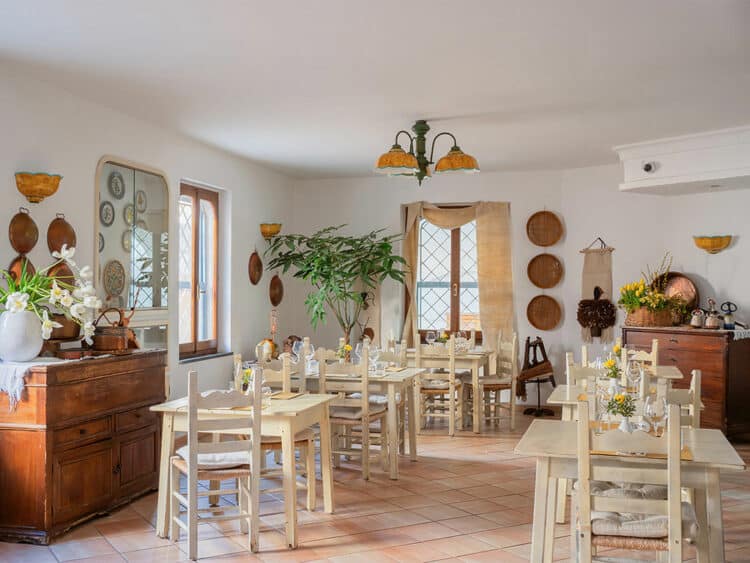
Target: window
x=198, y=270
x=447, y=279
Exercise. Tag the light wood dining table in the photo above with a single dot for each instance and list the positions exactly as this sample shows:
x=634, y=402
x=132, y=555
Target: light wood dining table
x=282, y=418
x=553, y=443
x=392, y=384
x=473, y=360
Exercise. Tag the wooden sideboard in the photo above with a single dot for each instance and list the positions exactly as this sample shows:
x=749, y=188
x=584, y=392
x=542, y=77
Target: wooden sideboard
x=723, y=361
x=81, y=441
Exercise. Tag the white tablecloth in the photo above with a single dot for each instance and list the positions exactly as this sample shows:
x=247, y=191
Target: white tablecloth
x=12, y=374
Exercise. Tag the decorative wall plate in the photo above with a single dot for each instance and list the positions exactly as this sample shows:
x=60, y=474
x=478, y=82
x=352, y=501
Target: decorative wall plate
x=276, y=290
x=141, y=224
x=544, y=228
x=101, y=242
x=255, y=268
x=127, y=240
x=113, y=278
x=543, y=312
x=128, y=214
x=60, y=232
x=23, y=232
x=106, y=213
x=16, y=267
x=141, y=202
x=545, y=270
x=116, y=184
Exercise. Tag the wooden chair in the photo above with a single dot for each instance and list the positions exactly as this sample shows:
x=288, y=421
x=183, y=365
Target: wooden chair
x=689, y=401
x=647, y=357
x=278, y=373
x=351, y=417
x=536, y=371
x=491, y=387
x=607, y=514
x=438, y=392
x=575, y=374
x=213, y=461
x=396, y=358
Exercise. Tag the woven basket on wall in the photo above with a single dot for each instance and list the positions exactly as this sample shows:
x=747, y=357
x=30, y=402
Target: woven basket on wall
x=645, y=317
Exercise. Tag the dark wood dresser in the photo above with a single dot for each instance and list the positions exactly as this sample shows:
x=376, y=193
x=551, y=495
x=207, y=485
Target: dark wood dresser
x=81, y=441
x=723, y=361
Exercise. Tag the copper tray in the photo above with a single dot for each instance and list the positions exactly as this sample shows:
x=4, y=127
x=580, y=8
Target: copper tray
x=255, y=268
x=680, y=284
x=63, y=273
x=545, y=270
x=17, y=265
x=22, y=232
x=60, y=232
x=544, y=228
x=276, y=291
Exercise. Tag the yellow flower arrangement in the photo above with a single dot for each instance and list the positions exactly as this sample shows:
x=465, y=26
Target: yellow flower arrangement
x=611, y=368
x=622, y=404
x=648, y=291
x=343, y=351
x=616, y=349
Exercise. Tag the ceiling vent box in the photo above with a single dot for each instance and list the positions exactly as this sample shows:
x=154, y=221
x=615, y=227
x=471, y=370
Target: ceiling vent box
x=716, y=160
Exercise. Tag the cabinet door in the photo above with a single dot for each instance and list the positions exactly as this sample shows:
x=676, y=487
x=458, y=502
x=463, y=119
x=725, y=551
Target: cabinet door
x=82, y=481
x=138, y=461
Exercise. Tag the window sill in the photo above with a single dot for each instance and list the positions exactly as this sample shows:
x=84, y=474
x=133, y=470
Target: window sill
x=200, y=358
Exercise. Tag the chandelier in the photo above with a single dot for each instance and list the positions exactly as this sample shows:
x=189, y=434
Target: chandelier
x=397, y=162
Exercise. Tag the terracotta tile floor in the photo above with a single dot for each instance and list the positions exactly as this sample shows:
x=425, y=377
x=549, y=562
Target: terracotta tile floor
x=468, y=499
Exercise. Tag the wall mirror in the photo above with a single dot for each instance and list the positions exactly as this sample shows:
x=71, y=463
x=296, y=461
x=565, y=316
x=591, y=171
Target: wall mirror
x=132, y=265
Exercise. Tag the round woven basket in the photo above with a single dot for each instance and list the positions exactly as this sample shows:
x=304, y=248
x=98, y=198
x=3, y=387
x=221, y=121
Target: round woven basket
x=545, y=271
x=543, y=312
x=645, y=317
x=544, y=228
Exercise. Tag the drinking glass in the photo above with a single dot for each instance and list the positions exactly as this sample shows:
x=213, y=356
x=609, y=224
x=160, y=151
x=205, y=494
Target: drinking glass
x=633, y=372
x=296, y=351
x=655, y=412
x=374, y=354
x=357, y=353
x=430, y=337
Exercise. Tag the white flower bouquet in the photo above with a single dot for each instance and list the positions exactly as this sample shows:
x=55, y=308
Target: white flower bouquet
x=45, y=295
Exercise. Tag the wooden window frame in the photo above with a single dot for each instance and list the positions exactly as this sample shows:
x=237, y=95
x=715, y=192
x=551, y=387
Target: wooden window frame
x=195, y=347
x=455, y=288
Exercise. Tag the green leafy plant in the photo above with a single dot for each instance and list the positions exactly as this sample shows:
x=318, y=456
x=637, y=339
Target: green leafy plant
x=622, y=404
x=343, y=270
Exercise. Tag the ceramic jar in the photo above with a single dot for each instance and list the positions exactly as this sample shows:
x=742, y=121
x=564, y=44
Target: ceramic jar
x=20, y=336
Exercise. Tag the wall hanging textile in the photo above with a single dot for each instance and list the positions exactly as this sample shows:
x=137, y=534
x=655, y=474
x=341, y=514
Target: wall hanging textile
x=597, y=272
x=493, y=260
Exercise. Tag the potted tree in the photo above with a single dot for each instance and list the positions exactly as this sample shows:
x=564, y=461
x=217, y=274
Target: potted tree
x=343, y=270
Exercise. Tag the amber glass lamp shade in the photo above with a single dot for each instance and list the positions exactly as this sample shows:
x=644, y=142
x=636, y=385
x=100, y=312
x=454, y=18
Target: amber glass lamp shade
x=397, y=162
x=457, y=161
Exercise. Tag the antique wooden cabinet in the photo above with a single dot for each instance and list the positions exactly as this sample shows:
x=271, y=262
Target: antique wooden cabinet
x=81, y=441
x=723, y=360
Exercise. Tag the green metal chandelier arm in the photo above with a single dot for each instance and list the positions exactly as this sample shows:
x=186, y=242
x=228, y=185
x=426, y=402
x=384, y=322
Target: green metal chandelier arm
x=411, y=140
x=435, y=138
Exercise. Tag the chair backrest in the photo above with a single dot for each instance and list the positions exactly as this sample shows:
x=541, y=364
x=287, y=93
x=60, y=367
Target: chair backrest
x=593, y=467
x=448, y=351
x=278, y=372
x=237, y=371
x=576, y=374
x=329, y=365
x=235, y=425
x=397, y=357
x=689, y=401
x=507, y=357
x=646, y=357
x=584, y=356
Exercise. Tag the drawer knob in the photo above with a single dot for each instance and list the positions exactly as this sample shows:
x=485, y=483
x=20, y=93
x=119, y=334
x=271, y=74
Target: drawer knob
x=82, y=431
x=673, y=339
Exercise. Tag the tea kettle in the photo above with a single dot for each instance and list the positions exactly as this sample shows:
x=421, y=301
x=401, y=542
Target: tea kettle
x=713, y=318
x=728, y=308
x=696, y=320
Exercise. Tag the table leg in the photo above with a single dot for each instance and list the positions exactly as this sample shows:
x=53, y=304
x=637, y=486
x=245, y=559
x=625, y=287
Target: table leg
x=541, y=487
x=392, y=421
x=713, y=515
x=326, y=471
x=549, y=528
x=412, y=418
x=289, y=483
x=476, y=417
x=167, y=446
x=700, y=513
x=562, y=484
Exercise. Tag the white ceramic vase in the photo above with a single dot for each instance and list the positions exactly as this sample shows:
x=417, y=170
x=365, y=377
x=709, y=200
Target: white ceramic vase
x=614, y=386
x=626, y=425
x=20, y=336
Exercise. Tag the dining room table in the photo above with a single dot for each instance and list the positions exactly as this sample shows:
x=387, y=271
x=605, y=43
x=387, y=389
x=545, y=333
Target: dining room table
x=397, y=384
x=283, y=418
x=474, y=360
x=554, y=445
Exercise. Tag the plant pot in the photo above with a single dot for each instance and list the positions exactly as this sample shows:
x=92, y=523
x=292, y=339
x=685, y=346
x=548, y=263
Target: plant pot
x=20, y=336
x=626, y=425
x=645, y=317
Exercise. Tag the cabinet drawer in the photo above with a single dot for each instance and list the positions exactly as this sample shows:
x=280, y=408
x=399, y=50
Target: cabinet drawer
x=132, y=420
x=675, y=341
x=84, y=432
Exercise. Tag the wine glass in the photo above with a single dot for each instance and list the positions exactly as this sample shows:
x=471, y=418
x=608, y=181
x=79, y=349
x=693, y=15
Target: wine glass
x=374, y=354
x=655, y=412
x=296, y=350
x=633, y=372
x=430, y=337
x=357, y=353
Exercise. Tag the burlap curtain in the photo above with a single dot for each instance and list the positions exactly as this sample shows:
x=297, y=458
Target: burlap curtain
x=493, y=260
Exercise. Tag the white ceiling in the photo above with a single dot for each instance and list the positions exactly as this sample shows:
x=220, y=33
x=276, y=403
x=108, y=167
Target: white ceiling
x=318, y=88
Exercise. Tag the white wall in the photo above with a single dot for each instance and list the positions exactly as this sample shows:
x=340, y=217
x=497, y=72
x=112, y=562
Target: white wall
x=641, y=228
x=46, y=129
